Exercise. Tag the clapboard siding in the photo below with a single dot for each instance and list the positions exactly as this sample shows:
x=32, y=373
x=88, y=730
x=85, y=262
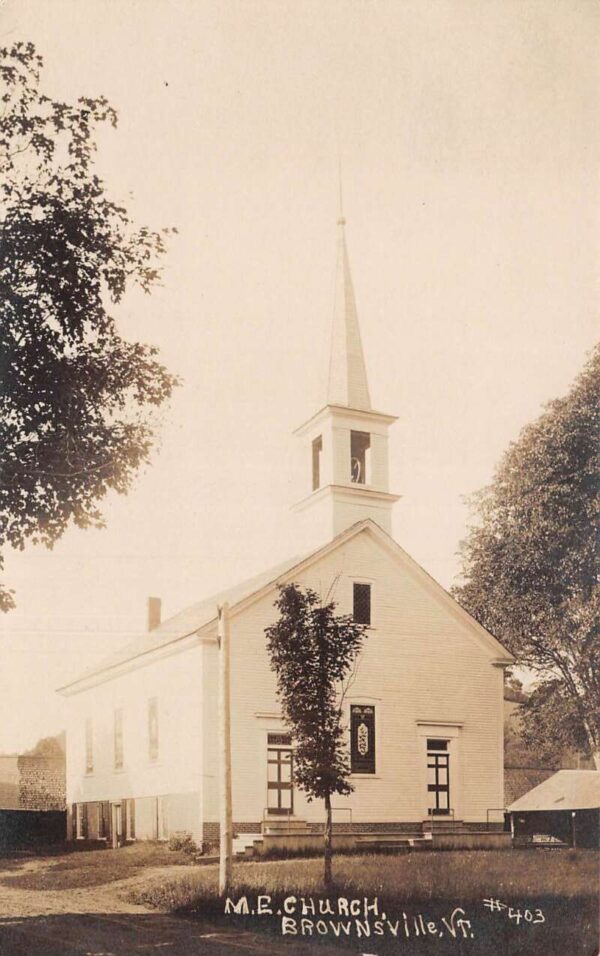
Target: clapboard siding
x=176, y=682
x=419, y=663
x=423, y=663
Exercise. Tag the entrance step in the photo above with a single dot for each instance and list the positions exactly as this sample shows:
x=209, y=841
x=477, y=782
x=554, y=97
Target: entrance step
x=443, y=826
x=392, y=841
x=284, y=826
x=243, y=844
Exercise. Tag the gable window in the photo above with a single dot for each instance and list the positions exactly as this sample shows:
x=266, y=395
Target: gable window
x=317, y=450
x=89, y=746
x=153, y=728
x=360, y=444
x=362, y=738
x=361, y=603
x=118, y=739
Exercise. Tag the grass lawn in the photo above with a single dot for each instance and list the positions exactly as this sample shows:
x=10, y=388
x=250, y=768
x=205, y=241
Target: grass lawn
x=86, y=867
x=559, y=890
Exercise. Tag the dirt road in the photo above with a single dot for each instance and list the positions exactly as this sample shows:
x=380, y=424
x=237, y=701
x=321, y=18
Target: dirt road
x=99, y=921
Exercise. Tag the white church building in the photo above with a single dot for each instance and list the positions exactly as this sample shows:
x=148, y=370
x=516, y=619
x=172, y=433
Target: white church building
x=424, y=714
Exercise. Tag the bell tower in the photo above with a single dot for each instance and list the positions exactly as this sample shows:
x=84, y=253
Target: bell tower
x=346, y=451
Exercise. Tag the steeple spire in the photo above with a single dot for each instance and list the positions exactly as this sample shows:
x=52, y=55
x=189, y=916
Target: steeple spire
x=345, y=442
x=347, y=372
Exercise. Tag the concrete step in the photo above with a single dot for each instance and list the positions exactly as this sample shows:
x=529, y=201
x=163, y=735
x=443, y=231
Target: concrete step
x=288, y=831
x=387, y=838
x=443, y=826
x=284, y=825
x=243, y=841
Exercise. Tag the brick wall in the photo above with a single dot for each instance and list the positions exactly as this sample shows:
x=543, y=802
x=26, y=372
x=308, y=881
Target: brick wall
x=42, y=783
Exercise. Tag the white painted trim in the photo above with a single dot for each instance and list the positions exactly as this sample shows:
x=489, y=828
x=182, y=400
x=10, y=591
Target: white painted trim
x=277, y=727
x=451, y=732
x=344, y=411
x=486, y=640
x=176, y=645
x=350, y=491
x=440, y=723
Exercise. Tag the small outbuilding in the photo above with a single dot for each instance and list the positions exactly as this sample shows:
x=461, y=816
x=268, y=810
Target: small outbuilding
x=564, y=807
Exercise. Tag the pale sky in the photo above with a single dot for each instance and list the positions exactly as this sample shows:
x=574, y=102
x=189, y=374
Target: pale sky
x=469, y=140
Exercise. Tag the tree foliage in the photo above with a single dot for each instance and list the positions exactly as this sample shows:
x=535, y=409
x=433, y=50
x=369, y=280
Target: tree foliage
x=75, y=397
x=531, y=565
x=312, y=651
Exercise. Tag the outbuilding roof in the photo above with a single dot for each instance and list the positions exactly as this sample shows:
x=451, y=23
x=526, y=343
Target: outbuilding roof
x=564, y=790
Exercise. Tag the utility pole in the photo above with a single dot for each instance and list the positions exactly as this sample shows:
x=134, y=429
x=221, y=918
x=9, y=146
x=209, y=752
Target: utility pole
x=225, y=816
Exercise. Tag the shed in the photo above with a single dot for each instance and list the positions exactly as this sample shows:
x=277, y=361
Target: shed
x=564, y=807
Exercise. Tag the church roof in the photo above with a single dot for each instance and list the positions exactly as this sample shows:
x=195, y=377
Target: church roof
x=347, y=371
x=197, y=616
x=187, y=621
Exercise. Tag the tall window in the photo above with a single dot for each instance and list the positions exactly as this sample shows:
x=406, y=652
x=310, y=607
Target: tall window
x=280, y=774
x=438, y=775
x=153, y=728
x=360, y=445
x=317, y=449
x=89, y=746
x=361, y=603
x=362, y=738
x=119, y=738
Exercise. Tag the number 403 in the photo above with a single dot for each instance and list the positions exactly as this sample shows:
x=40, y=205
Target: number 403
x=536, y=917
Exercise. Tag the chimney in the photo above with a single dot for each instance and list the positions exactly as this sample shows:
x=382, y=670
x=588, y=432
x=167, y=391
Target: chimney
x=153, y=613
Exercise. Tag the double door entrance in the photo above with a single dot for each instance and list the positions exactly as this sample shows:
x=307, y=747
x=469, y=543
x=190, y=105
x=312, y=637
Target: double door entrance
x=280, y=774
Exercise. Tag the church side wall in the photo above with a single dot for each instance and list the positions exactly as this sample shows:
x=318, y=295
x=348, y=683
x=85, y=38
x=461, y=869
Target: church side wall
x=422, y=670
x=166, y=789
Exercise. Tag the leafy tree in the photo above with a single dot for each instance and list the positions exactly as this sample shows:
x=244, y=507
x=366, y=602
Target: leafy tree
x=49, y=746
x=75, y=397
x=312, y=652
x=531, y=565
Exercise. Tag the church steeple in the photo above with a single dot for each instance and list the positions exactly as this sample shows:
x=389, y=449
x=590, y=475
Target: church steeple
x=347, y=383
x=346, y=441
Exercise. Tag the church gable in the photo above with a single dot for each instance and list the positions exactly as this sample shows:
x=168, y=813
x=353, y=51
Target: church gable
x=366, y=573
